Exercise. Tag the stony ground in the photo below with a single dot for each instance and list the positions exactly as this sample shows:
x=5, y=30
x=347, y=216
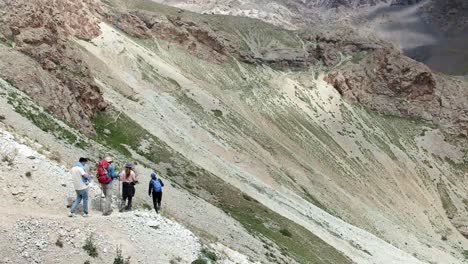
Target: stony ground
x=35, y=226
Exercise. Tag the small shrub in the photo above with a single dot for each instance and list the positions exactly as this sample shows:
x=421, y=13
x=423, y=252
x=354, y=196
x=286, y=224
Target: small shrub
x=209, y=254
x=55, y=155
x=87, y=262
x=89, y=247
x=146, y=206
x=119, y=258
x=175, y=260
x=199, y=261
x=246, y=197
x=28, y=174
x=191, y=174
x=465, y=254
x=285, y=232
x=2, y=117
x=9, y=156
x=59, y=242
x=217, y=113
x=444, y=238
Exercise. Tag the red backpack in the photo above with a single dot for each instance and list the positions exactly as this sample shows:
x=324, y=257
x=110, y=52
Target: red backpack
x=102, y=172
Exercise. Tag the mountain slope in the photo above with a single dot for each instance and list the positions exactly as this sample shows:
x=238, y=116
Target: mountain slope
x=429, y=31
x=304, y=158
x=261, y=153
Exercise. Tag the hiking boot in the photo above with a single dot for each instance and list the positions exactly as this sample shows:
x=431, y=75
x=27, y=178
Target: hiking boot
x=70, y=214
x=85, y=215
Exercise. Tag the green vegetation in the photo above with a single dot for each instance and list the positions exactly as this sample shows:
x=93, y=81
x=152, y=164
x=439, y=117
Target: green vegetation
x=126, y=132
x=209, y=254
x=250, y=34
x=465, y=254
x=217, y=113
x=358, y=57
x=146, y=206
x=285, y=232
x=200, y=261
x=298, y=242
x=59, y=242
x=42, y=119
x=447, y=202
x=119, y=259
x=89, y=246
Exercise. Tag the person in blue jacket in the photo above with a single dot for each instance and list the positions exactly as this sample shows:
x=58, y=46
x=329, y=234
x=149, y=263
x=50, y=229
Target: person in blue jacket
x=155, y=188
x=107, y=188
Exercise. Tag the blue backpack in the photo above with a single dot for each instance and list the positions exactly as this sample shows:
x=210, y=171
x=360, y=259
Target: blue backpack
x=156, y=185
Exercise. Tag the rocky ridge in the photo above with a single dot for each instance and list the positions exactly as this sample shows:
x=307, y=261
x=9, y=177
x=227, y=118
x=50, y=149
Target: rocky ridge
x=43, y=31
x=391, y=83
x=385, y=80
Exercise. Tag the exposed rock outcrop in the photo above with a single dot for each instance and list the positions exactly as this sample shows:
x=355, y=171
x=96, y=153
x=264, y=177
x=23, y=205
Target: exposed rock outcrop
x=391, y=83
x=43, y=31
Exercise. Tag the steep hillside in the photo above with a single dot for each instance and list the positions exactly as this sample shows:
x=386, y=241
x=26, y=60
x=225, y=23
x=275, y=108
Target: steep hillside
x=277, y=146
x=433, y=32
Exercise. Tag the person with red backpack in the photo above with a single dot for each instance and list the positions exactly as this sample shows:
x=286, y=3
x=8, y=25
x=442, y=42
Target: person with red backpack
x=105, y=175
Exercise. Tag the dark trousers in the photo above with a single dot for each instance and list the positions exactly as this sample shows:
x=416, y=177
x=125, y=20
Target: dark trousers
x=128, y=190
x=157, y=197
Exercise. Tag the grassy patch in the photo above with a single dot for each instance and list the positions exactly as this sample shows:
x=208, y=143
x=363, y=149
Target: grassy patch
x=217, y=113
x=285, y=232
x=300, y=243
x=465, y=254
x=447, y=202
x=358, y=57
x=209, y=254
x=126, y=132
x=43, y=120
x=200, y=261
x=146, y=206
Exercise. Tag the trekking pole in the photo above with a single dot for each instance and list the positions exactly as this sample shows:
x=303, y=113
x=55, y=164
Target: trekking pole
x=120, y=194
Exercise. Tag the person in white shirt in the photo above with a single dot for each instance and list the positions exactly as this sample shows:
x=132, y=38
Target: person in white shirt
x=80, y=179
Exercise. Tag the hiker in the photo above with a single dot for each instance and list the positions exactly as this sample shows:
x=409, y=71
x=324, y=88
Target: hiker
x=80, y=179
x=128, y=179
x=106, y=174
x=155, y=188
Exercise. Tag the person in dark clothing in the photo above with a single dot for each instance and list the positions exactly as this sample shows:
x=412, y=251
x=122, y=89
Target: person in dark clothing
x=128, y=179
x=155, y=188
